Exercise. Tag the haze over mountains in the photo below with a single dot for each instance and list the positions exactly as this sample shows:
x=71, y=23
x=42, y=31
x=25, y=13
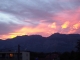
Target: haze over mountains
x=56, y=42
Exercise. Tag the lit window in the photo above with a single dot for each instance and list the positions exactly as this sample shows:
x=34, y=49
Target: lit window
x=11, y=55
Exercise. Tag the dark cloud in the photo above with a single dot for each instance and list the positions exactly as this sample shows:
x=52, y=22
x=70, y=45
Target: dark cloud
x=8, y=28
x=36, y=9
x=4, y=28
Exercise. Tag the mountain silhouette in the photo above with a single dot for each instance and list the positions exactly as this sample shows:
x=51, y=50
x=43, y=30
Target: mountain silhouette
x=36, y=43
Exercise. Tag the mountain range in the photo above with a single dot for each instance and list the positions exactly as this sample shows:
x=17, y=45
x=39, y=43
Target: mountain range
x=55, y=43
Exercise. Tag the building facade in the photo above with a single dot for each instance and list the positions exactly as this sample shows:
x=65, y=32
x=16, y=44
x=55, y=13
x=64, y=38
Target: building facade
x=14, y=56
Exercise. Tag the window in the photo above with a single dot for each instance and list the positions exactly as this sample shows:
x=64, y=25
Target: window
x=11, y=55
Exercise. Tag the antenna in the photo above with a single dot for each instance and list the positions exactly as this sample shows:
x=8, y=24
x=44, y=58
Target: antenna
x=18, y=52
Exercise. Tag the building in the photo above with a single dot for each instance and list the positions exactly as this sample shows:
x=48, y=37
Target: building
x=14, y=56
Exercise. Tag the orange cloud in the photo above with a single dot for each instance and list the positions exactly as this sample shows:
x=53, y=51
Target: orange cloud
x=65, y=25
x=53, y=25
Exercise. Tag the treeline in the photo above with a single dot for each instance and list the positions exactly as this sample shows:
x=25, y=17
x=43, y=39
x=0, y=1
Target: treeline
x=70, y=56
x=50, y=56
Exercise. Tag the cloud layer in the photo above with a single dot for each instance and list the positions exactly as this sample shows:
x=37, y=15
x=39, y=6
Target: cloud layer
x=20, y=17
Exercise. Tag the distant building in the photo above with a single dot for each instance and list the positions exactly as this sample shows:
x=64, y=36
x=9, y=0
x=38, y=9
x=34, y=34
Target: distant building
x=14, y=56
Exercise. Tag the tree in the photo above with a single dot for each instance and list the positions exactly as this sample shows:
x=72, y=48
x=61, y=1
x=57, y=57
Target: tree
x=78, y=50
x=78, y=46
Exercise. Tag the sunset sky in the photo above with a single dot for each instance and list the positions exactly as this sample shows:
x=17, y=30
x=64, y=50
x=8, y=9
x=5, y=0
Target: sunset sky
x=41, y=17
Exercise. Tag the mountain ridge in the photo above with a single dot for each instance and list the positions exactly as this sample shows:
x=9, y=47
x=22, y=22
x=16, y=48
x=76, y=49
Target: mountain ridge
x=56, y=42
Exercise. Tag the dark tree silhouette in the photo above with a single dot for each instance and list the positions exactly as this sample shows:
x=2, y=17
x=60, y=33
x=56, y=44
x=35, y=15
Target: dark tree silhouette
x=78, y=50
x=78, y=46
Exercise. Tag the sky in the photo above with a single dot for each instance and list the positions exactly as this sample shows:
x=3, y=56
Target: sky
x=41, y=17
